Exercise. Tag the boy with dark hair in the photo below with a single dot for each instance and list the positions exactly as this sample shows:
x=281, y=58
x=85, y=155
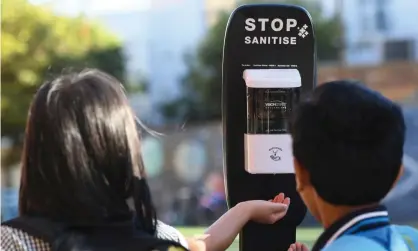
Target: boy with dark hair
x=348, y=147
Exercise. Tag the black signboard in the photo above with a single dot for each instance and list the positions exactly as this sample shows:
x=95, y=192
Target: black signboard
x=268, y=64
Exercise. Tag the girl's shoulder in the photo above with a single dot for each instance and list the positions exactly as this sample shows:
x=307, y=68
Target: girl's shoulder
x=13, y=239
x=167, y=232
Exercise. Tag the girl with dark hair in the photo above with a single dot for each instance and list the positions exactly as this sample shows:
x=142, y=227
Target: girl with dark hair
x=82, y=168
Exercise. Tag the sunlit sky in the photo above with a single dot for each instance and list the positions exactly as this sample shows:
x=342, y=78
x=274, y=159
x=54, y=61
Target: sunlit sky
x=96, y=6
x=107, y=6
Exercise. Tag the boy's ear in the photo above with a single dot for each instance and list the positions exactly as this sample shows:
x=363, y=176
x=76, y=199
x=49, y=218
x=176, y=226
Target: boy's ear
x=302, y=176
x=401, y=171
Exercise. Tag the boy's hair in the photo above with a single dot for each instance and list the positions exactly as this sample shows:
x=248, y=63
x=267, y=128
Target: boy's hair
x=350, y=139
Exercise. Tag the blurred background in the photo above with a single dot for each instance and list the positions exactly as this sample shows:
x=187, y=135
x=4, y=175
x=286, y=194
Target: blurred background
x=168, y=54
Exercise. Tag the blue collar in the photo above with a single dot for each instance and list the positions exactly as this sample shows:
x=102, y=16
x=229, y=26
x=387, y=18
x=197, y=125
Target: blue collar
x=358, y=221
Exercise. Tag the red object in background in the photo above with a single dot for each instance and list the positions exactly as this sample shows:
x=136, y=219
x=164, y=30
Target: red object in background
x=85, y=31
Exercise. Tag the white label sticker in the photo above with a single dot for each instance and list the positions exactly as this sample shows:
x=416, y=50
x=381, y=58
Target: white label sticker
x=268, y=153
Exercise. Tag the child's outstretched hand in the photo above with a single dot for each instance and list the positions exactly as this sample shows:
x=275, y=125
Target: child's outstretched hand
x=268, y=212
x=298, y=247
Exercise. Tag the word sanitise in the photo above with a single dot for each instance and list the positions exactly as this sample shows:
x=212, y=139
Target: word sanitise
x=276, y=24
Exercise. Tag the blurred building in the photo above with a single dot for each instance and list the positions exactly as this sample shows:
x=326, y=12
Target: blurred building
x=213, y=7
x=175, y=29
x=156, y=40
x=132, y=27
x=156, y=34
x=378, y=31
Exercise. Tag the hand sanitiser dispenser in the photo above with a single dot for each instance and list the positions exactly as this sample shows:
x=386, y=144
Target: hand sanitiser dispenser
x=268, y=65
x=271, y=96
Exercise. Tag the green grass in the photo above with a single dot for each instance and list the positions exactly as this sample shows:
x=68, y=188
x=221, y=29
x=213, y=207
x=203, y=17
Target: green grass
x=305, y=235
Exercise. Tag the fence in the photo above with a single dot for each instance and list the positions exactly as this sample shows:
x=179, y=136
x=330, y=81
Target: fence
x=398, y=81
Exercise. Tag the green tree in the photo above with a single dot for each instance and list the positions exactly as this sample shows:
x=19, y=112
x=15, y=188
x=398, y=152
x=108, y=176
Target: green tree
x=37, y=45
x=202, y=83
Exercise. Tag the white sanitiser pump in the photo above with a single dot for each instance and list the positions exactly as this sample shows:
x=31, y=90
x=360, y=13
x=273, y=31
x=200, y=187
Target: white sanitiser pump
x=271, y=96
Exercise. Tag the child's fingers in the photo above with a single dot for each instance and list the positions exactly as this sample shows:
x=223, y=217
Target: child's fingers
x=279, y=198
x=298, y=247
x=286, y=201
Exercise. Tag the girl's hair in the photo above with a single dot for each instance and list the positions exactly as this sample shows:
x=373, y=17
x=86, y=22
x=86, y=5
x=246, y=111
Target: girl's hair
x=81, y=161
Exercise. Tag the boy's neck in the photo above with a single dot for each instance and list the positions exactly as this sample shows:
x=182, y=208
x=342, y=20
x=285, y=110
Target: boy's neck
x=331, y=213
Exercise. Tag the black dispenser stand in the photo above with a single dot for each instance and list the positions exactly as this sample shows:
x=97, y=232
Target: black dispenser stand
x=262, y=37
